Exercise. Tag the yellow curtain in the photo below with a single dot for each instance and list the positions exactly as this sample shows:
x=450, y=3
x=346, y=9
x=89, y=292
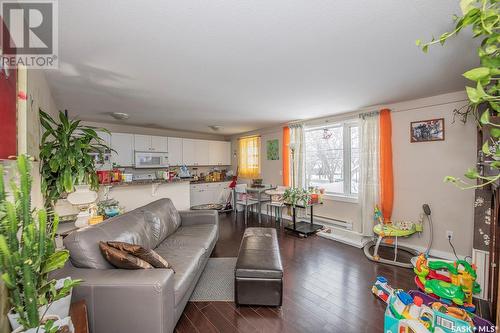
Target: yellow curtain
x=249, y=157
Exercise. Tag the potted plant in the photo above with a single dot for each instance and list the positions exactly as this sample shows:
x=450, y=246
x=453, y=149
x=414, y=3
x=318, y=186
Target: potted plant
x=295, y=196
x=68, y=152
x=483, y=103
x=27, y=256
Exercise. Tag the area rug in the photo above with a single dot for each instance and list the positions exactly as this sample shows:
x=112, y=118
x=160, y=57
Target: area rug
x=216, y=282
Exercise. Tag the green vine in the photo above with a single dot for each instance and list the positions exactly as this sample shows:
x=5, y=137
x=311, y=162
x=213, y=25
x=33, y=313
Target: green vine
x=483, y=99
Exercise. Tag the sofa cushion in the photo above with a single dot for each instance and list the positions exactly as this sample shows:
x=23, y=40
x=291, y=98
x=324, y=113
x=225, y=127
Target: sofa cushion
x=202, y=235
x=186, y=259
x=148, y=255
x=83, y=244
x=122, y=259
x=163, y=217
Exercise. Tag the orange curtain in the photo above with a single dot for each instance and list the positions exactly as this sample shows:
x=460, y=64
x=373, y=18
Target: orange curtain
x=286, y=156
x=386, y=172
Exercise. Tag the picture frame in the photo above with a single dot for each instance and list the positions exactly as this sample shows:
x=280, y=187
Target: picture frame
x=427, y=130
x=272, y=150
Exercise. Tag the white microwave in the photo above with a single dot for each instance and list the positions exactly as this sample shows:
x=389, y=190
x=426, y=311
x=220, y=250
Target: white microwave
x=151, y=160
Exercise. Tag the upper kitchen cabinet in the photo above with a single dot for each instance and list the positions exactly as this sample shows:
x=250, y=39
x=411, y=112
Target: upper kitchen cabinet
x=106, y=137
x=150, y=143
x=195, y=152
x=219, y=153
x=188, y=152
x=159, y=144
x=123, y=154
x=202, y=152
x=175, y=151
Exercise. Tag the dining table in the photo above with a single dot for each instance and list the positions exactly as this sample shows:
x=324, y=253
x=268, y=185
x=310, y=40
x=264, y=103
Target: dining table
x=258, y=190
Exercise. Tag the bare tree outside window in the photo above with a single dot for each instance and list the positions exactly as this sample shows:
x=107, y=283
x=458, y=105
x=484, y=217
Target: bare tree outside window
x=332, y=158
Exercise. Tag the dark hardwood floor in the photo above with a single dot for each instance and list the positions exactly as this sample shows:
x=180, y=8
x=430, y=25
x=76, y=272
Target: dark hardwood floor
x=327, y=288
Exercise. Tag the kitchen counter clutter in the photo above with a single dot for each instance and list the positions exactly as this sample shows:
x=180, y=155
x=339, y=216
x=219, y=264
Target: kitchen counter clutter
x=146, y=182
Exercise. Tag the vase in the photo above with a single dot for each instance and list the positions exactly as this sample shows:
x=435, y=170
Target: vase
x=83, y=198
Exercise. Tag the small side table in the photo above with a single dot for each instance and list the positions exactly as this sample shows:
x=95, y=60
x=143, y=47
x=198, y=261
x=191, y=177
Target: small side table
x=303, y=228
x=78, y=313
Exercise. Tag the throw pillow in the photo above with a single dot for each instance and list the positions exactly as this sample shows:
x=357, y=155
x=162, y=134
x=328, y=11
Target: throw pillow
x=149, y=256
x=121, y=259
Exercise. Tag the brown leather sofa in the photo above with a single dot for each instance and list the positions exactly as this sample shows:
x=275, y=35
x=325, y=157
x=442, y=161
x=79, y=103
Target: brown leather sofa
x=147, y=300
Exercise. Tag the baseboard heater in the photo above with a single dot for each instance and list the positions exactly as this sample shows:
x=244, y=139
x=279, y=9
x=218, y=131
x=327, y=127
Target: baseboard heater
x=336, y=222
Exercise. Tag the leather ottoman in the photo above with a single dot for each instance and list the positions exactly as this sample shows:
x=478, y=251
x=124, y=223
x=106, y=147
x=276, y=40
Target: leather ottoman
x=258, y=272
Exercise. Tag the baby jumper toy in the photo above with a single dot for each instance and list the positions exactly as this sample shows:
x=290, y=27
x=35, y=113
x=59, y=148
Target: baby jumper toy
x=456, y=282
x=384, y=229
x=417, y=312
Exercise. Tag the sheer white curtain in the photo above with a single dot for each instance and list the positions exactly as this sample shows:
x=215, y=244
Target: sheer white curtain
x=297, y=141
x=369, y=161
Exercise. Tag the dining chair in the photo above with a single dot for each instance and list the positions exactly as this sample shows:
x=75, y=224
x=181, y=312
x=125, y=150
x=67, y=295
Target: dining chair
x=244, y=199
x=277, y=203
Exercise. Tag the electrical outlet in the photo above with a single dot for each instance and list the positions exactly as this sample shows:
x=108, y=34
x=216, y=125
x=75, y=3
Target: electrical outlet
x=449, y=234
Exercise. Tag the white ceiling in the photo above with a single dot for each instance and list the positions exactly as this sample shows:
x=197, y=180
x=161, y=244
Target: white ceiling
x=244, y=64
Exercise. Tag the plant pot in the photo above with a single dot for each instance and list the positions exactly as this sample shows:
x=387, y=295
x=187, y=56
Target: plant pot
x=58, y=323
x=59, y=308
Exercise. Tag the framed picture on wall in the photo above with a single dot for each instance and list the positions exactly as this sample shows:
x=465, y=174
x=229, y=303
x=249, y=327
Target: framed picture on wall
x=273, y=150
x=427, y=130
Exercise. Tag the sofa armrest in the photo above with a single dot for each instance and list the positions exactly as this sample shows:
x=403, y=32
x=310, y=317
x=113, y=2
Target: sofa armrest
x=120, y=300
x=193, y=217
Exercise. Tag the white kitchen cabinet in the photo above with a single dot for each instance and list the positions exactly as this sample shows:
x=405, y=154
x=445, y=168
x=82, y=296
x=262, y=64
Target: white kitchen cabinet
x=123, y=146
x=188, y=151
x=219, y=153
x=206, y=193
x=150, y=143
x=175, y=151
x=159, y=143
x=142, y=142
x=201, y=148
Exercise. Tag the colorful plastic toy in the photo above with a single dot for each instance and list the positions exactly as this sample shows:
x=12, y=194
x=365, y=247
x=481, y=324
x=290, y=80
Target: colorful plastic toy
x=386, y=230
x=457, y=283
x=381, y=289
x=416, y=312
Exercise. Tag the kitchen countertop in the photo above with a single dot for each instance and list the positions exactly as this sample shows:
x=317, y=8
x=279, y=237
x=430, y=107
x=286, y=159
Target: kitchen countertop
x=147, y=182
x=208, y=182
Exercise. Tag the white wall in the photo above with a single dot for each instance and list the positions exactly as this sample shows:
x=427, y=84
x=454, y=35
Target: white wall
x=271, y=170
x=419, y=170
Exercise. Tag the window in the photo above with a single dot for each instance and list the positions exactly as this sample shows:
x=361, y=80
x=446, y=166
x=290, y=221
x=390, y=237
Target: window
x=249, y=157
x=332, y=158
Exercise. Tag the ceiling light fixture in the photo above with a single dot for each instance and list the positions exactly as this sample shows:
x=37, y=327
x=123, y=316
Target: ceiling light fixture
x=119, y=115
x=215, y=128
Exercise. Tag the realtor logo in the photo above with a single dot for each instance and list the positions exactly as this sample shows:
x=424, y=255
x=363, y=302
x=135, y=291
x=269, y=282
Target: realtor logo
x=29, y=33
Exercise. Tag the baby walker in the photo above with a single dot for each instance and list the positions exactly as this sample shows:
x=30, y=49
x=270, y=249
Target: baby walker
x=395, y=229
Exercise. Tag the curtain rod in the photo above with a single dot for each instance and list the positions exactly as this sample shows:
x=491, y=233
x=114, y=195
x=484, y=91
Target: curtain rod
x=353, y=114
x=249, y=137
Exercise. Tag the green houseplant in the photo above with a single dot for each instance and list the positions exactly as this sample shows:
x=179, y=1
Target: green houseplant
x=67, y=151
x=296, y=196
x=28, y=254
x=483, y=99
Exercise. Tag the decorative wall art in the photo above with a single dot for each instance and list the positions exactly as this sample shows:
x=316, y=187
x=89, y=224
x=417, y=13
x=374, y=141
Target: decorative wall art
x=273, y=150
x=427, y=130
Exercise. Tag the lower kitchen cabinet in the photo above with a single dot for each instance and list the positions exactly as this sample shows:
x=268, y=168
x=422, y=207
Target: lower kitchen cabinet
x=205, y=193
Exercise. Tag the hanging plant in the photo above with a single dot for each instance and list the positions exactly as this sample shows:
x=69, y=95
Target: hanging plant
x=67, y=152
x=483, y=100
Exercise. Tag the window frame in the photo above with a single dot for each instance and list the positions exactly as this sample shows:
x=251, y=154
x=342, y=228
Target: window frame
x=347, y=125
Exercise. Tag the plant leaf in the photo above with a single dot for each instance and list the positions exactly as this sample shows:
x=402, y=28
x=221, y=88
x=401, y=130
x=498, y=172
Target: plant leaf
x=477, y=74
